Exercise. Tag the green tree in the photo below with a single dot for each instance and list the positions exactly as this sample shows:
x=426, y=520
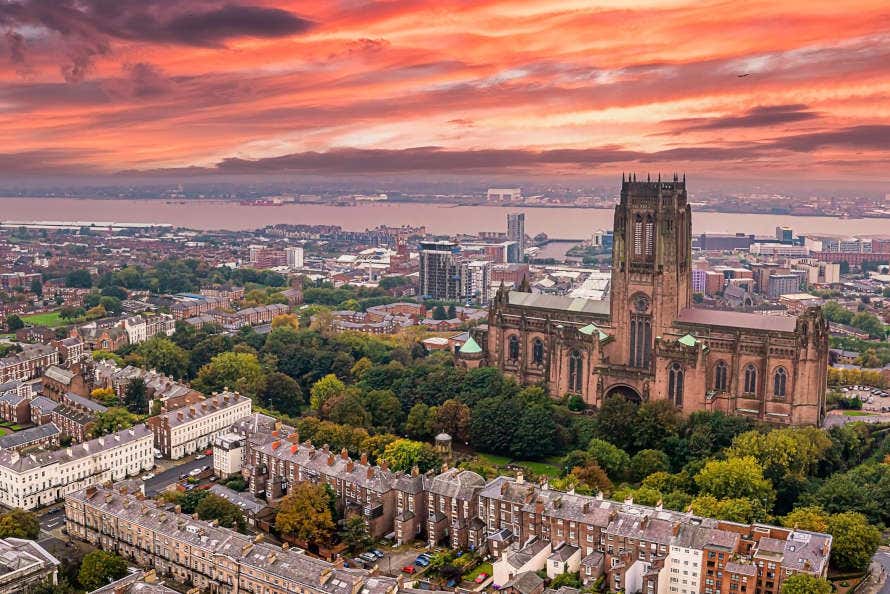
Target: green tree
x=79, y=279
x=136, y=396
x=236, y=371
x=736, y=478
x=304, y=514
x=807, y=518
x=385, y=409
x=535, y=434
x=616, y=422
x=347, y=409
x=646, y=462
x=324, y=389
x=113, y=419
x=611, y=458
x=99, y=568
x=214, y=507
x=868, y=322
x=14, y=322
x=452, y=312
x=834, y=312
x=37, y=288
x=732, y=509
x=421, y=421
x=355, y=534
x=801, y=583
x=453, y=418
x=404, y=454
x=18, y=523
x=439, y=313
x=283, y=394
x=656, y=421
x=163, y=354
x=854, y=541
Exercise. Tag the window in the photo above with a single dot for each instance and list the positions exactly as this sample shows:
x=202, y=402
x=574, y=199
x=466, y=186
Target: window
x=538, y=352
x=780, y=379
x=638, y=236
x=675, y=384
x=750, y=379
x=650, y=237
x=513, y=349
x=640, y=341
x=720, y=376
x=576, y=369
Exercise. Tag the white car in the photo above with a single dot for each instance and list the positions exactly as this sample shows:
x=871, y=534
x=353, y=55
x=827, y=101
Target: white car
x=148, y=477
x=199, y=457
x=195, y=472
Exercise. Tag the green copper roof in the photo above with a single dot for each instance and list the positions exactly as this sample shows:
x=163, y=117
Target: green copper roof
x=470, y=347
x=589, y=329
x=688, y=340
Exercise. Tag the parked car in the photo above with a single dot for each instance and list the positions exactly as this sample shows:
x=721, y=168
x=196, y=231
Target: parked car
x=409, y=569
x=368, y=557
x=208, y=452
x=422, y=561
x=148, y=477
x=377, y=553
x=195, y=472
x=199, y=456
x=481, y=578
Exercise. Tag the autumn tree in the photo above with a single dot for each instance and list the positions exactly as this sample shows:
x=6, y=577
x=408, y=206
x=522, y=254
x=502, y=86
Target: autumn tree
x=802, y=583
x=325, y=389
x=453, y=418
x=19, y=523
x=305, y=514
x=404, y=454
x=113, y=419
x=736, y=478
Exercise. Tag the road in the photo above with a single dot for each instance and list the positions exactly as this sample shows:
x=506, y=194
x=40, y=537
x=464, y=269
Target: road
x=882, y=559
x=162, y=479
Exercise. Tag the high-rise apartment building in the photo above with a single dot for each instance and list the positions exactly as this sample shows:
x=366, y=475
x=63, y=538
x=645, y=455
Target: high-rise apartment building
x=516, y=232
x=476, y=281
x=439, y=270
x=294, y=257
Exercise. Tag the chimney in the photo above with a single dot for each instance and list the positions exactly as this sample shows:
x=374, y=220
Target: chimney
x=370, y=472
x=350, y=465
x=585, y=508
x=285, y=546
x=629, y=500
x=660, y=505
x=178, y=509
x=180, y=416
x=294, y=448
x=330, y=459
x=384, y=465
x=415, y=470
x=258, y=537
x=504, y=487
x=294, y=438
x=364, y=458
x=344, y=454
x=599, y=495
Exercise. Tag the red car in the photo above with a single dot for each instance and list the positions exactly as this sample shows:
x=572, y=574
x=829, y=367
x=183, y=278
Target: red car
x=208, y=452
x=481, y=578
x=409, y=569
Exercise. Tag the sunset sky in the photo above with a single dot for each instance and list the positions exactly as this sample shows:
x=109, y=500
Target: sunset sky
x=747, y=88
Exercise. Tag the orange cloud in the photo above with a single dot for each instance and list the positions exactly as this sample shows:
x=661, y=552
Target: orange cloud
x=256, y=86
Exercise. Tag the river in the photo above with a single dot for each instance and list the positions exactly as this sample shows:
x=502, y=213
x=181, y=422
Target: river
x=566, y=223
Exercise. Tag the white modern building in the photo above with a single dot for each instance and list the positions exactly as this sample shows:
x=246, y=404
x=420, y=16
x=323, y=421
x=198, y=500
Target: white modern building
x=228, y=454
x=294, y=257
x=34, y=480
x=185, y=430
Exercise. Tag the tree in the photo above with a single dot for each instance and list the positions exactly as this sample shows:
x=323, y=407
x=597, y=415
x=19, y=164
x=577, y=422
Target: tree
x=166, y=356
x=286, y=321
x=834, y=312
x=439, y=313
x=355, y=534
x=37, y=288
x=305, y=514
x=324, y=389
x=736, y=478
x=802, y=583
x=453, y=418
x=99, y=568
x=616, y=422
x=807, y=518
x=283, y=394
x=421, y=421
x=492, y=424
x=347, y=409
x=14, y=322
x=733, y=509
x=113, y=419
x=868, y=322
x=19, y=523
x=656, y=421
x=236, y=371
x=593, y=478
x=452, y=312
x=79, y=279
x=610, y=458
x=385, y=409
x=214, y=507
x=854, y=541
x=535, y=434
x=136, y=397
x=106, y=396
x=111, y=305
x=404, y=454
x=646, y=462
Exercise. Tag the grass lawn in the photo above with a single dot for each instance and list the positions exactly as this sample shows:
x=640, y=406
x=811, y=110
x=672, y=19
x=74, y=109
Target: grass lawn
x=481, y=568
x=3, y=432
x=856, y=413
x=493, y=459
x=16, y=427
x=540, y=468
x=50, y=318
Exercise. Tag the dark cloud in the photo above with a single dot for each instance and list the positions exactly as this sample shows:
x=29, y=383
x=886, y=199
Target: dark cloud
x=758, y=117
x=88, y=27
x=46, y=161
x=874, y=137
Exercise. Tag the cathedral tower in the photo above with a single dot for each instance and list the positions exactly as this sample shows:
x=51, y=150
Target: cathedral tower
x=651, y=258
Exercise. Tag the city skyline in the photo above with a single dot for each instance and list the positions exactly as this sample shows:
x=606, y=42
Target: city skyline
x=263, y=88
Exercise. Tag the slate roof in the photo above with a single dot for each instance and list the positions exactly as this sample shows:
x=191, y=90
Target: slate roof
x=558, y=302
x=458, y=483
x=20, y=438
x=735, y=319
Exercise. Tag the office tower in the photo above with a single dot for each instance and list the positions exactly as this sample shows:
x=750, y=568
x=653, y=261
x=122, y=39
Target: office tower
x=516, y=232
x=294, y=257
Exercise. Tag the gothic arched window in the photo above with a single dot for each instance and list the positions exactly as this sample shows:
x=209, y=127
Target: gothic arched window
x=576, y=371
x=513, y=348
x=650, y=237
x=720, y=373
x=538, y=351
x=750, y=379
x=780, y=379
x=675, y=384
x=638, y=236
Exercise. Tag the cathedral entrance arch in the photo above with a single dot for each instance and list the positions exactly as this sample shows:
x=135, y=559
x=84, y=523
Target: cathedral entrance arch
x=626, y=392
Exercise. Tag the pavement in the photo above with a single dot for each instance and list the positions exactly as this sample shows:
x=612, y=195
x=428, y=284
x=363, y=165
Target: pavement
x=880, y=570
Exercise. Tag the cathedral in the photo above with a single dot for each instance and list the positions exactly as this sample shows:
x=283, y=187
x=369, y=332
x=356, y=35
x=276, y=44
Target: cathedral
x=646, y=341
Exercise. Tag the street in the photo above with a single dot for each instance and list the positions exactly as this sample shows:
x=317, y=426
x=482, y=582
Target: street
x=171, y=475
